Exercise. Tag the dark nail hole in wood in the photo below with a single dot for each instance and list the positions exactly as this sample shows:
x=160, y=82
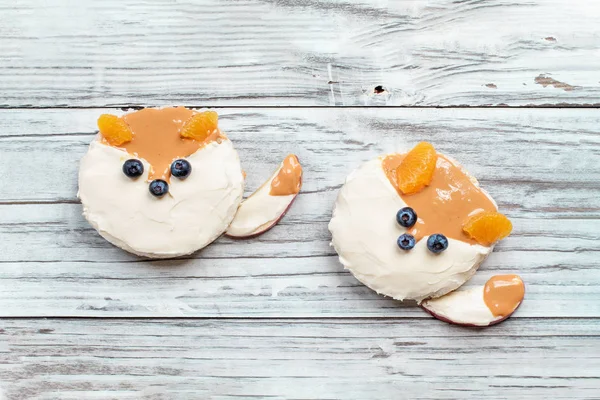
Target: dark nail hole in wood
x=379, y=89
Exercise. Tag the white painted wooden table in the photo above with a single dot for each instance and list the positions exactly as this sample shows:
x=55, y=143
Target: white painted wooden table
x=277, y=316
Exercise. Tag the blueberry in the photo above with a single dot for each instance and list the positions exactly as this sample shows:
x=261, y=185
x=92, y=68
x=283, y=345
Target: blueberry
x=159, y=188
x=133, y=168
x=406, y=217
x=181, y=169
x=437, y=243
x=406, y=241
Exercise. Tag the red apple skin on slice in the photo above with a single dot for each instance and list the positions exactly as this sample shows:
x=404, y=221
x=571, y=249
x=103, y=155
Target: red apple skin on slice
x=262, y=229
x=468, y=307
x=260, y=211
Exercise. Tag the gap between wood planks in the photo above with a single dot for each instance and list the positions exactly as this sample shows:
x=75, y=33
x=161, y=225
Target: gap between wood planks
x=194, y=106
x=276, y=318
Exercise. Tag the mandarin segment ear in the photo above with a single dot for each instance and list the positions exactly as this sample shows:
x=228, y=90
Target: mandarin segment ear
x=417, y=168
x=487, y=227
x=114, y=129
x=200, y=126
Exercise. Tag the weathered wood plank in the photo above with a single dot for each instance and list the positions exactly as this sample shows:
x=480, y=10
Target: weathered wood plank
x=557, y=286
x=307, y=52
x=301, y=359
x=560, y=168
x=541, y=166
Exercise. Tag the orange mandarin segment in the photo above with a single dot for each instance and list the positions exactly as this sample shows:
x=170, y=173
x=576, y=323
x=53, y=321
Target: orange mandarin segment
x=487, y=227
x=417, y=168
x=200, y=126
x=114, y=129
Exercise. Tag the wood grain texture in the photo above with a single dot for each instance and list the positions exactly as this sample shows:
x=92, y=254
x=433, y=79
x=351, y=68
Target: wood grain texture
x=299, y=359
x=277, y=317
x=540, y=165
x=299, y=52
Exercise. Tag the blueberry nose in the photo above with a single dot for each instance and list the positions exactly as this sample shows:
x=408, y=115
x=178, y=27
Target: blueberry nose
x=158, y=187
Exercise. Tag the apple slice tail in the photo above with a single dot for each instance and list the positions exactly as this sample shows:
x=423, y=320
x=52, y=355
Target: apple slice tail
x=469, y=307
x=261, y=210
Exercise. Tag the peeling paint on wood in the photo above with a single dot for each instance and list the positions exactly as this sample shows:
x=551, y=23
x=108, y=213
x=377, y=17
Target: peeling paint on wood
x=548, y=81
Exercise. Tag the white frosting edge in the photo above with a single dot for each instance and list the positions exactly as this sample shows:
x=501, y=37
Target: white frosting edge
x=212, y=194
x=260, y=211
x=377, y=265
x=465, y=307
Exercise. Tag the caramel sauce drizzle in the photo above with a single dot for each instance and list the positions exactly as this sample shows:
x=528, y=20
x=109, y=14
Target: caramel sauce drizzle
x=289, y=178
x=502, y=294
x=156, y=138
x=444, y=205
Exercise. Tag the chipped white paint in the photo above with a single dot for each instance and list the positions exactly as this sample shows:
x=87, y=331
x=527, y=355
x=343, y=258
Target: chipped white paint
x=286, y=52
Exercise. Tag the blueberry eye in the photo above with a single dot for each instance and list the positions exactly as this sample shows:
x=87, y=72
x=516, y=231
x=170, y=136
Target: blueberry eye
x=437, y=243
x=133, y=168
x=406, y=241
x=158, y=188
x=406, y=217
x=181, y=169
